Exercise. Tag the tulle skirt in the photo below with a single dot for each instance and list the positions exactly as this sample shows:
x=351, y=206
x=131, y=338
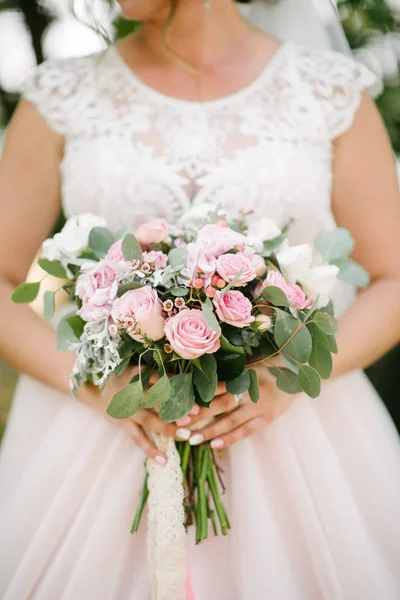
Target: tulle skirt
x=313, y=500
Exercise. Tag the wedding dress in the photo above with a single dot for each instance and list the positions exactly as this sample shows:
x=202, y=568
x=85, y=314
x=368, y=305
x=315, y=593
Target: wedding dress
x=314, y=497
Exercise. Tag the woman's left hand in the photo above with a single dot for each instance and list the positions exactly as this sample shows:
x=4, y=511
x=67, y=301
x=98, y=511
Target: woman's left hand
x=238, y=422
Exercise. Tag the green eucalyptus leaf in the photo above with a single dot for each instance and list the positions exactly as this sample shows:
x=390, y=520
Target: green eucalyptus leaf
x=180, y=291
x=181, y=400
x=144, y=377
x=310, y=381
x=321, y=361
x=325, y=322
x=100, y=241
x=127, y=401
x=177, y=258
x=275, y=296
x=159, y=393
x=292, y=366
x=228, y=347
x=205, y=380
x=288, y=382
x=335, y=244
x=254, y=390
x=323, y=339
x=240, y=384
x=232, y=282
x=26, y=293
x=229, y=365
x=76, y=323
x=208, y=312
x=127, y=287
x=53, y=267
x=65, y=335
x=131, y=248
x=273, y=244
x=122, y=367
x=49, y=305
x=351, y=272
x=300, y=345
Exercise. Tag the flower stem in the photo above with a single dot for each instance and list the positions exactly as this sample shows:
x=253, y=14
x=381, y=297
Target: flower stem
x=143, y=499
x=219, y=507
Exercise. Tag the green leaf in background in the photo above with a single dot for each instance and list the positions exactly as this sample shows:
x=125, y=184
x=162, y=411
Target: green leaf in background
x=335, y=244
x=131, y=248
x=49, y=305
x=321, y=361
x=65, y=335
x=127, y=401
x=323, y=339
x=177, y=258
x=300, y=346
x=208, y=312
x=100, y=241
x=325, y=322
x=254, y=390
x=275, y=296
x=310, y=381
x=240, y=384
x=205, y=379
x=229, y=365
x=25, y=293
x=180, y=291
x=288, y=382
x=76, y=323
x=228, y=347
x=53, y=267
x=181, y=399
x=351, y=272
x=159, y=393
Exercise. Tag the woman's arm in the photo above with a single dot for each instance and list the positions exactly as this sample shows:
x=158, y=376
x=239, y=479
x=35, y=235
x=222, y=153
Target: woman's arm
x=29, y=207
x=366, y=200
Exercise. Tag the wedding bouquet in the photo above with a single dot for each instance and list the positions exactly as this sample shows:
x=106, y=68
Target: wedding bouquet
x=196, y=303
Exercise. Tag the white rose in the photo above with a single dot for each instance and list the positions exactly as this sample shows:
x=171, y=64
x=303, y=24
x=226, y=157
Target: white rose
x=320, y=281
x=73, y=238
x=295, y=262
x=264, y=229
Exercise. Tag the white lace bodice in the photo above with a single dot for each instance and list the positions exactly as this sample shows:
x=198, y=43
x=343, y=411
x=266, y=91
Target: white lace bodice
x=132, y=152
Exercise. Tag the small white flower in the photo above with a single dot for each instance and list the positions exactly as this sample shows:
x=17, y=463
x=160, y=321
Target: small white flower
x=295, y=262
x=264, y=229
x=320, y=282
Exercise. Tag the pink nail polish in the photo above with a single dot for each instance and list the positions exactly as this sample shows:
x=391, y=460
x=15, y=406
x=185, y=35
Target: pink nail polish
x=195, y=410
x=183, y=422
x=217, y=444
x=161, y=460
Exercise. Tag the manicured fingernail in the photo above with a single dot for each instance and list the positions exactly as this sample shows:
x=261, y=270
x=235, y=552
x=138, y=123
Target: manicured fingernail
x=183, y=422
x=196, y=439
x=195, y=410
x=217, y=444
x=161, y=460
x=184, y=434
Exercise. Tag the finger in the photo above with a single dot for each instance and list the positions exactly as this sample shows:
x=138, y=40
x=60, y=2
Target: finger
x=222, y=426
x=141, y=439
x=149, y=420
x=240, y=433
x=218, y=406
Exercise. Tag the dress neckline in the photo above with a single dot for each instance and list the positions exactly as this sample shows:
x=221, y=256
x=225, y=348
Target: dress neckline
x=132, y=77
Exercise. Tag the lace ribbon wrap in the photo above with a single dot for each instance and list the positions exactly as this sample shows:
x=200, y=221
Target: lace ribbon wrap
x=166, y=537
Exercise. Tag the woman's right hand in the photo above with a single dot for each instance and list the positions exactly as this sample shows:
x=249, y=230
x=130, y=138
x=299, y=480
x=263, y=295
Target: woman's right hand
x=139, y=424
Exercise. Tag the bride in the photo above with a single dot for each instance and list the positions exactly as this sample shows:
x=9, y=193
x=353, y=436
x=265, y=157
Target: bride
x=200, y=106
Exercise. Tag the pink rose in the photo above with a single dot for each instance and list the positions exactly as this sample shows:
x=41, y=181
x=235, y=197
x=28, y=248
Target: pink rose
x=115, y=252
x=294, y=293
x=216, y=240
x=97, y=287
x=233, y=308
x=259, y=265
x=140, y=312
x=156, y=259
x=190, y=336
x=229, y=265
x=153, y=232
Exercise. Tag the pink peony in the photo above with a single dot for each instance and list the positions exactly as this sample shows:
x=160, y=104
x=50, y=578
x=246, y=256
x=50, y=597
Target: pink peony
x=153, y=232
x=216, y=240
x=141, y=311
x=115, y=252
x=97, y=287
x=156, y=259
x=200, y=264
x=294, y=293
x=190, y=336
x=233, y=308
x=229, y=265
